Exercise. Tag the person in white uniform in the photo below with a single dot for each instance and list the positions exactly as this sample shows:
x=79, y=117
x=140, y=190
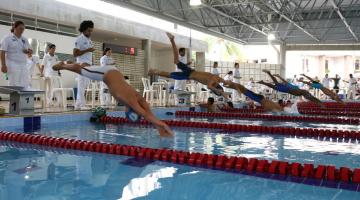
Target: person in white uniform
x=31, y=62
x=351, y=87
x=326, y=83
x=49, y=60
x=228, y=77
x=14, y=49
x=83, y=53
x=215, y=69
x=236, y=79
x=105, y=97
x=181, y=84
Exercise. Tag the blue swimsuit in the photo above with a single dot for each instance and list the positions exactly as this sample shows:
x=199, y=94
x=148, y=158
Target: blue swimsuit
x=255, y=97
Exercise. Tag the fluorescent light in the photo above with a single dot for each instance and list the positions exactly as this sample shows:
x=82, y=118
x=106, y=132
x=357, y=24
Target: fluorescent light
x=271, y=37
x=195, y=2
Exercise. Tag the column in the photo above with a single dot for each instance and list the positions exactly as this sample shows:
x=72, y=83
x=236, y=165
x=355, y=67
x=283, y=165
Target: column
x=200, y=61
x=282, y=59
x=146, y=46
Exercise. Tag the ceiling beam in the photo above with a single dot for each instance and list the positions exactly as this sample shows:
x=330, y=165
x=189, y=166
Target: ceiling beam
x=177, y=20
x=336, y=8
x=234, y=19
x=292, y=22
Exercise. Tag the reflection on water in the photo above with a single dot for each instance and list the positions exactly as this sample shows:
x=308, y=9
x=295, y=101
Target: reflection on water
x=92, y=176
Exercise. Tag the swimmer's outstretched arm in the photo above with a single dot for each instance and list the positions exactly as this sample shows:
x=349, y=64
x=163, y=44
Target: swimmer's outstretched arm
x=174, y=47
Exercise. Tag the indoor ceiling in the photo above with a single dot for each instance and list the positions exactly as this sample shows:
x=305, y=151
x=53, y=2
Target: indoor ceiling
x=250, y=21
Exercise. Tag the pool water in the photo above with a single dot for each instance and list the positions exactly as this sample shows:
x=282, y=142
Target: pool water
x=211, y=141
x=258, y=122
x=29, y=173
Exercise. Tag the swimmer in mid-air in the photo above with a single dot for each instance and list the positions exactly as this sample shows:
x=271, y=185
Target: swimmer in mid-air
x=317, y=85
x=212, y=81
x=118, y=88
x=289, y=88
x=267, y=104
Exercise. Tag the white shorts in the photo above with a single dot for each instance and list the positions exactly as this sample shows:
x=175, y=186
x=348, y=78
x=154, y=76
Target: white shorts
x=96, y=72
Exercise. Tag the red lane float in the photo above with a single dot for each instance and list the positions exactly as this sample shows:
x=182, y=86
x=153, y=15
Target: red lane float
x=271, y=117
x=286, y=131
x=220, y=162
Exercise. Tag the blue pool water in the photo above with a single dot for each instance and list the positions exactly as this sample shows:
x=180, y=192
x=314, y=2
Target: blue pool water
x=210, y=141
x=31, y=174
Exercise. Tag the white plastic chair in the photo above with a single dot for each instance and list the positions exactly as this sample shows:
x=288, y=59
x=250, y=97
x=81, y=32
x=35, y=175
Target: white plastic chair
x=63, y=92
x=93, y=89
x=148, y=92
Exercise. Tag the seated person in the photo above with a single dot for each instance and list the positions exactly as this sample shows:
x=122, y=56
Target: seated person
x=210, y=80
x=209, y=106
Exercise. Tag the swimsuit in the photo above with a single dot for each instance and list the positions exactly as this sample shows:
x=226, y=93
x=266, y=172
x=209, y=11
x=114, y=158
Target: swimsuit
x=282, y=87
x=255, y=97
x=96, y=72
x=184, y=74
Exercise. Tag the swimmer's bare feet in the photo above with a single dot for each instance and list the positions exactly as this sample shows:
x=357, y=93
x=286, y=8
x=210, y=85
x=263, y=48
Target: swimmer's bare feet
x=58, y=66
x=266, y=71
x=170, y=36
x=153, y=72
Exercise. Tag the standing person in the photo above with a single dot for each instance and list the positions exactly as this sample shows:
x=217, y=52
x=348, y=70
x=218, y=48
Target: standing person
x=83, y=53
x=215, y=69
x=47, y=72
x=336, y=83
x=326, y=81
x=351, y=87
x=228, y=77
x=181, y=84
x=14, y=49
x=105, y=60
x=236, y=79
x=31, y=62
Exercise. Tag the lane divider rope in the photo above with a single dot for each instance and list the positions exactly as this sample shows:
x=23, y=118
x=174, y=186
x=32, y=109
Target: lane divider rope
x=271, y=117
x=343, y=177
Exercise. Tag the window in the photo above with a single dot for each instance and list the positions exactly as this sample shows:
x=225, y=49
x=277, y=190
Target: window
x=357, y=65
x=264, y=60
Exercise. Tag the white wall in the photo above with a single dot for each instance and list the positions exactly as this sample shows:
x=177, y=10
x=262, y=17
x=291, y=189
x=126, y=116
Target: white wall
x=257, y=52
x=64, y=44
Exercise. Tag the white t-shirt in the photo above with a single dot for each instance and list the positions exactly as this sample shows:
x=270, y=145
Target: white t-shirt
x=180, y=84
x=14, y=47
x=250, y=85
x=236, y=74
x=106, y=60
x=31, y=63
x=215, y=71
x=352, y=82
x=48, y=62
x=82, y=43
x=326, y=82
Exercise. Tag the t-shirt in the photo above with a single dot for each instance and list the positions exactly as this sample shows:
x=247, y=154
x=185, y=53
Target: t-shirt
x=352, y=82
x=14, y=47
x=215, y=71
x=31, y=63
x=236, y=74
x=180, y=84
x=326, y=82
x=106, y=60
x=82, y=43
x=48, y=62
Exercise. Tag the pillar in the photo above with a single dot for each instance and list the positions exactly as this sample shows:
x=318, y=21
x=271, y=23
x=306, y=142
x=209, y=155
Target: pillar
x=200, y=61
x=282, y=60
x=146, y=47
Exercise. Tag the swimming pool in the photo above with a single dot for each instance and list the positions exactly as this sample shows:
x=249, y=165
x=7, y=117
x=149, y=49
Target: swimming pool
x=45, y=174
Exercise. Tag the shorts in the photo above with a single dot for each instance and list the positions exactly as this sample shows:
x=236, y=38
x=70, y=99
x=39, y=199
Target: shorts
x=184, y=74
x=282, y=88
x=255, y=97
x=96, y=72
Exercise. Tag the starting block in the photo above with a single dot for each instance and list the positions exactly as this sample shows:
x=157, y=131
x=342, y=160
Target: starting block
x=21, y=99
